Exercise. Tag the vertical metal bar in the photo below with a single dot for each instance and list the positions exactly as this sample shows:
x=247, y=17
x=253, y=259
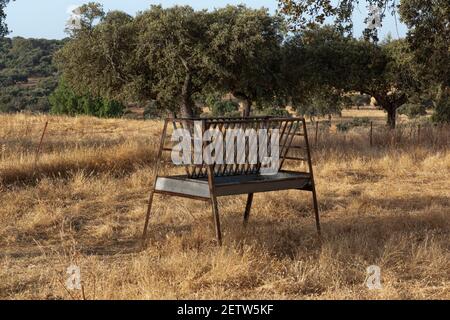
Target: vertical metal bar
x=217, y=167
x=152, y=193
x=223, y=130
x=282, y=135
x=249, y=147
x=371, y=134
x=288, y=147
x=194, y=166
x=313, y=185
x=248, y=208
x=225, y=154
x=264, y=125
x=203, y=170
x=316, y=142
x=186, y=166
x=243, y=167
x=214, y=204
x=418, y=133
x=147, y=218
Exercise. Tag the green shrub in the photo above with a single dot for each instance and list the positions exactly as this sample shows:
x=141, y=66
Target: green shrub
x=153, y=110
x=64, y=101
x=343, y=127
x=360, y=100
x=225, y=108
x=442, y=112
x=356, y=122
x=412, y=110
x=33, y=99
x=111, y=109
x=273, y=112
x=360, y=122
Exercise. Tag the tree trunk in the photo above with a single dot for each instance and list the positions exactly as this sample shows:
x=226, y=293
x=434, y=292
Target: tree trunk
x=247, y=108
x=172, y=115
x=390, y=104
x=187, y=105
x=392, y=115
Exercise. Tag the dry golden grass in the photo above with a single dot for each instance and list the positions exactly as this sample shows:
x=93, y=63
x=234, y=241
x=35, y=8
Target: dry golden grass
x=83, y=203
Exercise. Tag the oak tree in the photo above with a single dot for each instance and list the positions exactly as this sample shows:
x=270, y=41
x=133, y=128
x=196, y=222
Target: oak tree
x=245, y=53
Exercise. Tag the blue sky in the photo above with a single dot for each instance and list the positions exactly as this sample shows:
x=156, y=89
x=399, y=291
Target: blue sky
x=46, y=18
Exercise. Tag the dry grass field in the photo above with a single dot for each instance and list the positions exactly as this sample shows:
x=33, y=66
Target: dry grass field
x=83, y=202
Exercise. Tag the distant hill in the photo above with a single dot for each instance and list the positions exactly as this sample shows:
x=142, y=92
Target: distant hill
x=27, y=74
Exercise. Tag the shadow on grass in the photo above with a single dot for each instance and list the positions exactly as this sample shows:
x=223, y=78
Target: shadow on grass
x=285, y=236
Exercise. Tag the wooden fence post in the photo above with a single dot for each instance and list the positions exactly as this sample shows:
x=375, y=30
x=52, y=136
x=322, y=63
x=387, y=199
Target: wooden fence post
x=418, y=133
x=317, y=133
x=38, y=151
x=3, y=151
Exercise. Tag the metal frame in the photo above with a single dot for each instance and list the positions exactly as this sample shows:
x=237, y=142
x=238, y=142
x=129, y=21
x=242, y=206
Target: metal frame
x=221, y=180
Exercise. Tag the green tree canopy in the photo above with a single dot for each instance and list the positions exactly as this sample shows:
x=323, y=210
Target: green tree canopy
x=65, y=101
x=3, y=26
x=159, y=55
x=172, y=47
x=27, y=74
x=308, y=14
x=98, y=59
x=245, y=53
x=429, y=38
x=171, y=55
x=324, y=59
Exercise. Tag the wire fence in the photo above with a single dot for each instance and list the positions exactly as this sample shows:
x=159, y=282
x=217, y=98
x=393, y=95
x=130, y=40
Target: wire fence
x=33, y=136
x=30, y=130
x=322, y=134
x=424, y=133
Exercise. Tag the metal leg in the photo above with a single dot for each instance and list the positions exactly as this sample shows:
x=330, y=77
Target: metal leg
x=316, y=211
x=147, y=219
x=313, y=184
x=152, y=193
x=214, y=205
x=215, y=210
x=248, y=208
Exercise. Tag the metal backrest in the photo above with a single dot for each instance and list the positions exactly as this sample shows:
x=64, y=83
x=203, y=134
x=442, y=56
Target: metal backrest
x=291, y=132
